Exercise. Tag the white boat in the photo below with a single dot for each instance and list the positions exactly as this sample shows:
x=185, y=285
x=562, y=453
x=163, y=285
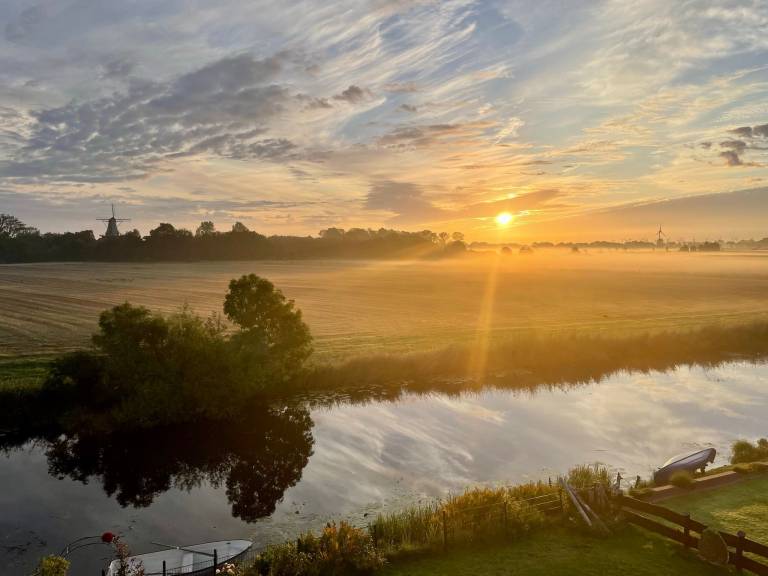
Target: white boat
x=194, y=559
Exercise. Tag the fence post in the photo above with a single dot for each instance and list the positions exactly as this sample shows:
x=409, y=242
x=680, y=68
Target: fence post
x=504, y=520
x=687, y=531
x=739, y=549
x=445, y=531
x=215, y=560
x=562, y=504
x=163, y=567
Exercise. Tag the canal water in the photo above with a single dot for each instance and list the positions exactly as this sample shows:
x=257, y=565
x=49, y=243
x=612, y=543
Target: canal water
x=279, y=473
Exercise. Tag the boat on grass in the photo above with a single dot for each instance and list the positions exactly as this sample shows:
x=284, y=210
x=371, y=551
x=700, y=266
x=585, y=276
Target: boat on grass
x=687, y=462
x=196, y=559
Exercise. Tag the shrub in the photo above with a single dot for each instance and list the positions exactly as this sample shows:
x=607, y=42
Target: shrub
x=681, y=479
x=53, y=566
x=750, y=468
x=341, y=550
x=743, y=451
x=586, y=476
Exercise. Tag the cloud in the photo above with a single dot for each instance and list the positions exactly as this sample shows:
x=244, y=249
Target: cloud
x=411, y=204
x=404, y=87
x=16, y=30
x=743, y=131
x=732, y=151
x=353, y=95
x=405, y=199
x=223, y=108
x=118, y=68
x=419, y=136
x=731, y=158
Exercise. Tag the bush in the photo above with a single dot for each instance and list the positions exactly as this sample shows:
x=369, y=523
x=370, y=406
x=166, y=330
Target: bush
x=53, y=566
x=743, y=451
x=750, y=468
x=585, y=476
x=341, y=550
x=681, y=479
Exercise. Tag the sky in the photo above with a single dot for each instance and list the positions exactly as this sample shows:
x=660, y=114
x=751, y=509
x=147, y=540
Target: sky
x=295, y=116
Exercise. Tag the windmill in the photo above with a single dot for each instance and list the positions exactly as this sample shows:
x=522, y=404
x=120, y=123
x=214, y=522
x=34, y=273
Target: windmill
x=660, y=238
x=112, y=230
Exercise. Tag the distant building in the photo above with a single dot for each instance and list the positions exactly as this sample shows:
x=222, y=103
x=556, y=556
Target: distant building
x=112, y=230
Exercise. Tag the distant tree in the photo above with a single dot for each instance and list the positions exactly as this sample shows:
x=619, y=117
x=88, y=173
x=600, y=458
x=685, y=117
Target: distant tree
x=206, y=228
x=457, y=237
x=444, y=237
x=357, y=234
x=163, y=230
x=332, y=233
x=274, y=341
x=239, y=227
x=12, y=227
x=456, y=247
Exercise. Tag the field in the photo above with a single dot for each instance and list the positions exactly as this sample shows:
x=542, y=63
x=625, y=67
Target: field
x=742, y=506
x=630, y=552
x=356, y=308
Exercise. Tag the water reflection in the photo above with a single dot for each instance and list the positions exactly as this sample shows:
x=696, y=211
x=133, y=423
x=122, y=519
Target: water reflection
x=254, y=458
x=293, y=470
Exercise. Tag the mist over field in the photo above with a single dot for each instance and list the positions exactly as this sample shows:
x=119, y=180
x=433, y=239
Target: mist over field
x=360, y=307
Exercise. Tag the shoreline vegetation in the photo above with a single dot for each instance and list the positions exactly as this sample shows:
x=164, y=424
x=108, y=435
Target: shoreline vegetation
x=532, y=362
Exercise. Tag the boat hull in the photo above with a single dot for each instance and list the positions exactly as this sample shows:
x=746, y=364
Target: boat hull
x=194, y=560
x=687, y=463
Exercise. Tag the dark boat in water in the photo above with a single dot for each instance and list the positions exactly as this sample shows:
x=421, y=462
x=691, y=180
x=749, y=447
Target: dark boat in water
x=688, y=462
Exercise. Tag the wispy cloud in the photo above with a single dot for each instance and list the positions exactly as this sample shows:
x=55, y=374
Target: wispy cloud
x=365, y=112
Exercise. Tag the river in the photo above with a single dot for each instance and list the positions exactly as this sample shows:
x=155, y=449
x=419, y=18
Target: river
x=272, y=476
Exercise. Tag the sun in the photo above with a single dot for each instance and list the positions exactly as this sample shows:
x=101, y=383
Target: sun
x=503, y=218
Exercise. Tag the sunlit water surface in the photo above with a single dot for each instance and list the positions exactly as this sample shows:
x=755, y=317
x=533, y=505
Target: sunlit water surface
x=378, y=456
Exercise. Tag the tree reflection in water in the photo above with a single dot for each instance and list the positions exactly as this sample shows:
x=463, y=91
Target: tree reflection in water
x=256, y=457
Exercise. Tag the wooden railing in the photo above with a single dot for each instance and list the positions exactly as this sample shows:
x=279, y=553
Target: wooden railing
x=689, y=534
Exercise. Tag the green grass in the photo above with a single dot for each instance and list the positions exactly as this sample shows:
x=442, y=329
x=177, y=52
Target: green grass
x=741, y=506
x=632, y=551
x=23, y=373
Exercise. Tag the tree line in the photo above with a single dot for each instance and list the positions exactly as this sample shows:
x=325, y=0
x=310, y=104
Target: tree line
x=22, y=243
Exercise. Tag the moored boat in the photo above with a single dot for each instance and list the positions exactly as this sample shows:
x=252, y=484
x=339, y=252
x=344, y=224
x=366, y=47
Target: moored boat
x=195, y=559
x=687, y=462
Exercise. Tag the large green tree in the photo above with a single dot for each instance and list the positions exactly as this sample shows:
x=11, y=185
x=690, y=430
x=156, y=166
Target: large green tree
x=274, y=341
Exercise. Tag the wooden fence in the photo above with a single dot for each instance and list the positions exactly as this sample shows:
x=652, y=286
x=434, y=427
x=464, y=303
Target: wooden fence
x=637, y=512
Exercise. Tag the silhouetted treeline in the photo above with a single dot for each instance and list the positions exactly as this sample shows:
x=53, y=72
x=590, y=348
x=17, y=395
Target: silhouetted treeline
x=20, y=243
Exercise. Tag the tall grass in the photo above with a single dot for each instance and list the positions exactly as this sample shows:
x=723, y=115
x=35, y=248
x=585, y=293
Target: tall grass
x=532, y=362
x=478, y=514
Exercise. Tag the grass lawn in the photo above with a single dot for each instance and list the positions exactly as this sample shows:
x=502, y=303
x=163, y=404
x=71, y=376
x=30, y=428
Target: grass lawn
x=742, y=506
x=632, y=551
